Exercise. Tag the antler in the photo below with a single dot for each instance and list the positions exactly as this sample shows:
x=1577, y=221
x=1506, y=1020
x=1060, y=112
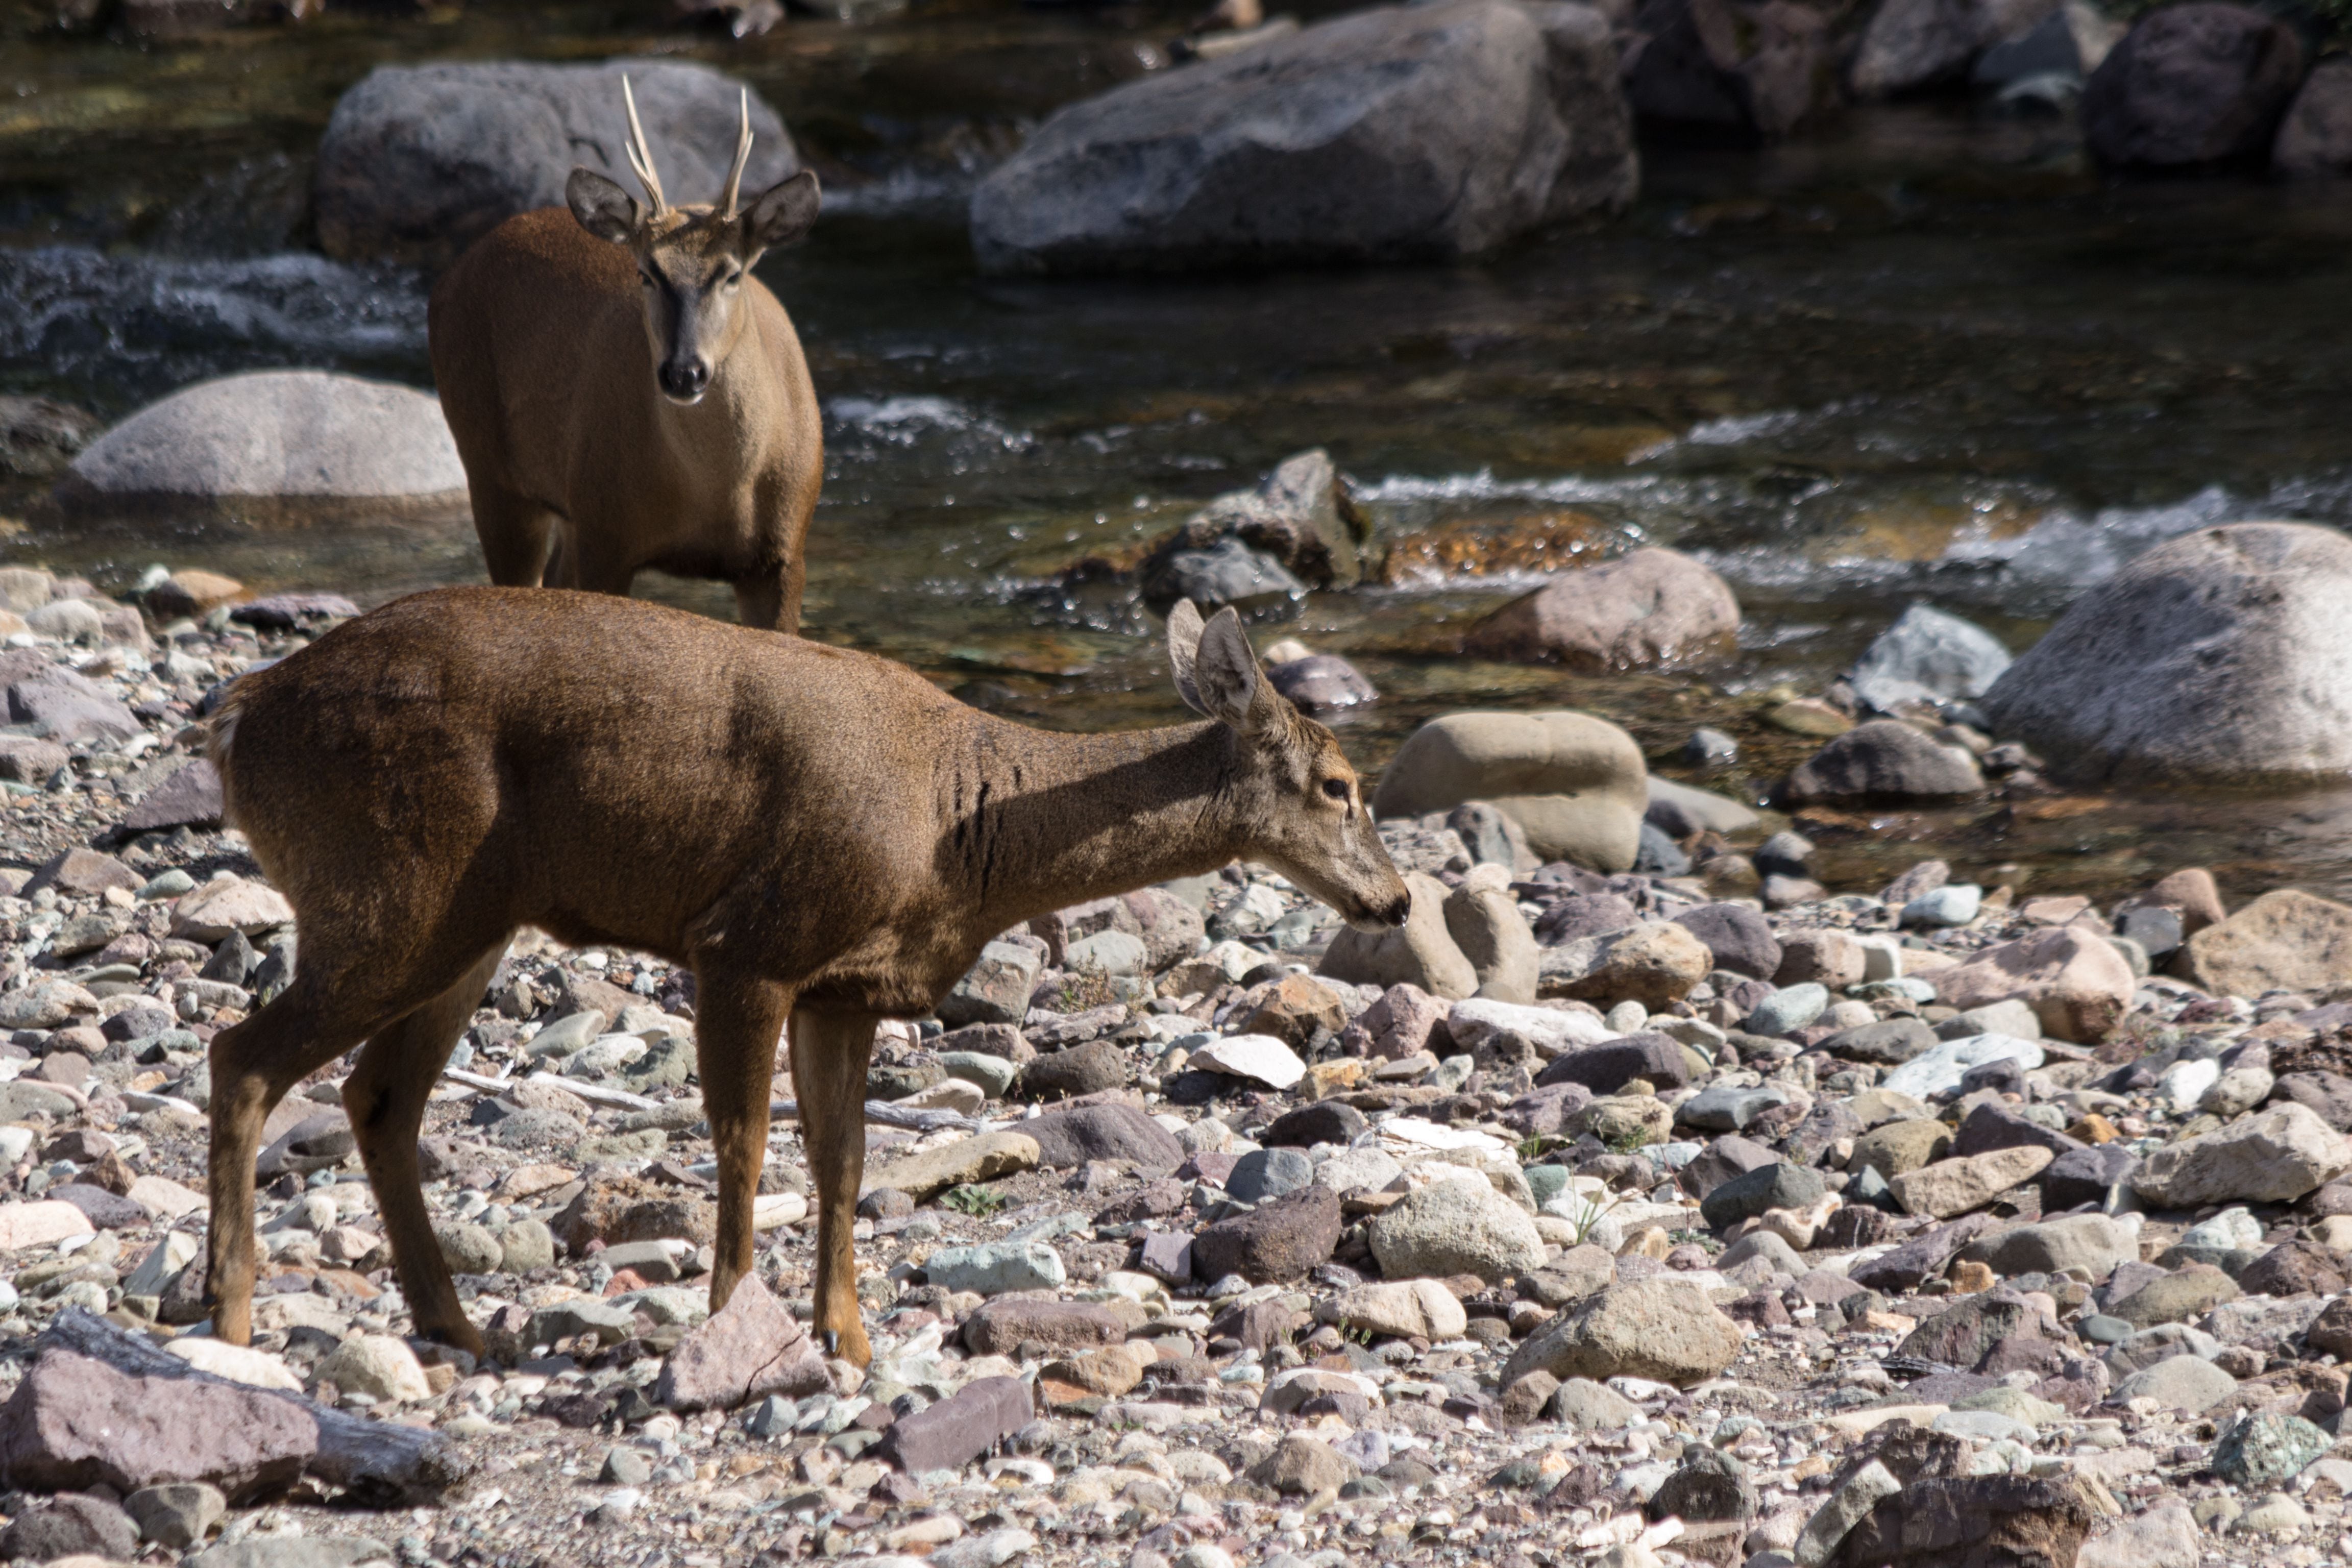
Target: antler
x=641, y=157
x=743, y=156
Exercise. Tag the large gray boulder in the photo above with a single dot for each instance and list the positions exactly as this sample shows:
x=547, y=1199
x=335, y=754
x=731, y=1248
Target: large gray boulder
x=274, y=445
x=1748, y=69
x=1394, y=133
x=419, y=162
x=2223, y=656
x=2194, y=84
x=1912, y=45
x=2315, y=137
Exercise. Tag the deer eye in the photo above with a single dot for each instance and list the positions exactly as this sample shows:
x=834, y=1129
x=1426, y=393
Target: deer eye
x=645, y=280
x=1336, y=788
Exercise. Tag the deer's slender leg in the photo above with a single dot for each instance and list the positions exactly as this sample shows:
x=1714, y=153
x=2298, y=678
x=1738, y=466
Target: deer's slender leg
x=385, y=1099
x=737, y=1021
x=321, y=1014
x=771, y=599
x=831, y=1052
x=514, y=530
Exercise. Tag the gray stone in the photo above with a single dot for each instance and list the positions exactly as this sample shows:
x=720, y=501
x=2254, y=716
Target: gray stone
x=1926, y=656
x=1396, y=132
x=1776, y=1187
x=290, y=1551
x=993, y=1268
x=2267, y=1449
x=1661, y=1328
x=1738, y=937
x=178, y=1516
x=1787, y=1011
x=2192, y=84
x=1269, y=1174
x=418, y=162
x=468, y=1248
x=2256, y=614
x=2181, y=1383
x=1884, y=760
x=1321, y=683
x=69, y=1525
x=273, y=440
x=1457, y=1225
x=995, y=990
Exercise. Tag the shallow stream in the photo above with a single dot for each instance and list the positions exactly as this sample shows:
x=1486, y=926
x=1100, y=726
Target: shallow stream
x=1925, y=352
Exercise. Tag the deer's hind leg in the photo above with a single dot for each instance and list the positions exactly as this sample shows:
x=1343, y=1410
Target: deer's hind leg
x=384, y=1097
x=327, y=1009
x=736, y=1024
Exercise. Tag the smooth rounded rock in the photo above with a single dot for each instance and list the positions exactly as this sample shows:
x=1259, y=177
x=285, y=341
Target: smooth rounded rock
x=277, y=444
x=1576, y=784
x=1458, y=1225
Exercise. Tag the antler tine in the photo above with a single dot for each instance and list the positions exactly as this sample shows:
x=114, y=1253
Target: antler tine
x=742, y=157
x=641, y=156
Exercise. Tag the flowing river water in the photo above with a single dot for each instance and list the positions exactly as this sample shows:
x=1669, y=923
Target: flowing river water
x=1924, y=352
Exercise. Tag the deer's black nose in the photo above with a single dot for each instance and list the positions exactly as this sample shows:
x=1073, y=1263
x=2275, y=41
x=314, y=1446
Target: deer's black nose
x=1396, y=912
x=685, y=378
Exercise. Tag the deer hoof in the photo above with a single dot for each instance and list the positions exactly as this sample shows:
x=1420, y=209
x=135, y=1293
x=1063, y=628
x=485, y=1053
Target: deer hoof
x=832, y=1342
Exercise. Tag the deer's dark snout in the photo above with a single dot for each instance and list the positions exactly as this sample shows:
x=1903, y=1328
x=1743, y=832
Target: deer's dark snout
x=684, y=379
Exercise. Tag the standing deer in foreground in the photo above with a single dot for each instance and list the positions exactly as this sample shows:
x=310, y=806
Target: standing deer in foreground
x=823, y=835
x=625, y=393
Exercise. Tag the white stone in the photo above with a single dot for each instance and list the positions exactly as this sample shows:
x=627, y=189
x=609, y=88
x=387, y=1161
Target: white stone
x=1476, y=1020
x=1938, y=1069
x=377, y=1365
x=2185, y=1083
x=1261, y=1058
x=238, y=1364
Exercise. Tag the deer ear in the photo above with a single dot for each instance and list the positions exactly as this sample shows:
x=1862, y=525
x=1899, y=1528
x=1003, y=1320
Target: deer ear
x=782, y=214
x=1183, y=651
x=603, y=208
x=1226, y=672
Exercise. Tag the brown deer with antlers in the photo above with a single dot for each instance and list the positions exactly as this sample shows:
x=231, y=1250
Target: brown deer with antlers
x=824, y=835
x=625, y=394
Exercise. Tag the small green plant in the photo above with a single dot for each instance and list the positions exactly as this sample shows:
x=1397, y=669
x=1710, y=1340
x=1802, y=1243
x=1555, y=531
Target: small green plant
x=1593, y=1211
x=1629, y=1140
x=971, y=1200
x=1529, y=1147
x=1083, y=990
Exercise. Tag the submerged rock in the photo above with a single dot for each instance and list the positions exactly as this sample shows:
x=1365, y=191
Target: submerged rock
x=1649, y=608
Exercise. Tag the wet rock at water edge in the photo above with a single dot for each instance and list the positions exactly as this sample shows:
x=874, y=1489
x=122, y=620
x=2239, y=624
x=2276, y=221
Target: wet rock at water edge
x=1649, y=608
x=2212, y=658
x=2201, y=83
x=275, y=445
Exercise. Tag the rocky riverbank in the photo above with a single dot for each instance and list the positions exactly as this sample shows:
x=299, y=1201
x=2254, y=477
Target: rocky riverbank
x=1694, y=1212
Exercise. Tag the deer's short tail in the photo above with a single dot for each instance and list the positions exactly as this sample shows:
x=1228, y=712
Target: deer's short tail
x=220, y=745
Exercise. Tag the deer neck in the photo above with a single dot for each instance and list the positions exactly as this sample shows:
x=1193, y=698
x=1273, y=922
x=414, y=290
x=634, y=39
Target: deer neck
x=1038, y=821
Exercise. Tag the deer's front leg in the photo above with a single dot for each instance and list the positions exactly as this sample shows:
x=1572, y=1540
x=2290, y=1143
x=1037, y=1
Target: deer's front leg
x=831, y=1052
